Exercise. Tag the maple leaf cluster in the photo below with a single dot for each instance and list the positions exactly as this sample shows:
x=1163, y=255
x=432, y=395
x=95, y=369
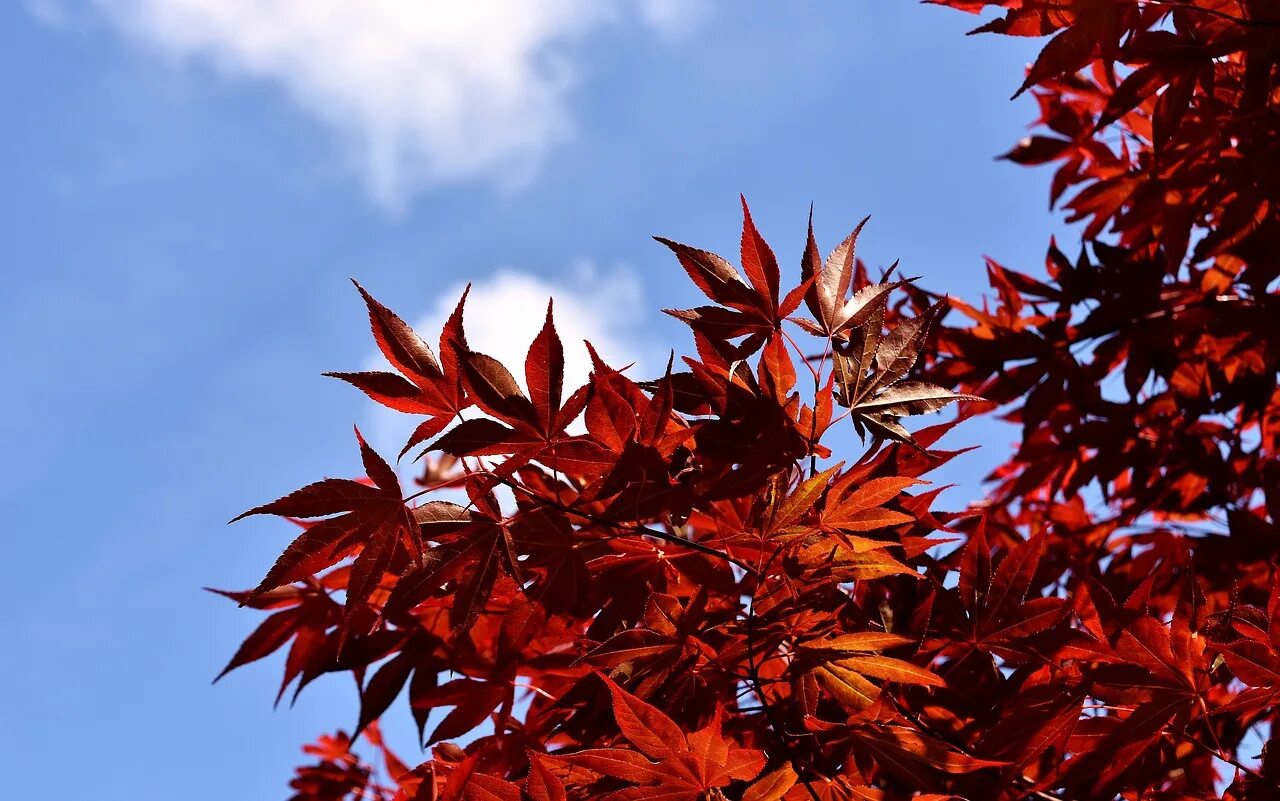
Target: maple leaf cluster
x=662, y=588
x=1143, y=372
x=674, y=587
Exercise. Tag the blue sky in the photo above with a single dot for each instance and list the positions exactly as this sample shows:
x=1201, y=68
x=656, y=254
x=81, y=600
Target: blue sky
x=188, y=188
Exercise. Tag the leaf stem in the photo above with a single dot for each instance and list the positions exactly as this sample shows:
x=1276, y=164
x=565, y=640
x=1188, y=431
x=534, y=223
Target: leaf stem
x=754, y=675
x=632, y=528
x=1219, y=753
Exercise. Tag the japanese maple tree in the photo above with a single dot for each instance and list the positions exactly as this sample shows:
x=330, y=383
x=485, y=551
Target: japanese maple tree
x=1143, y=373
x=698, y=585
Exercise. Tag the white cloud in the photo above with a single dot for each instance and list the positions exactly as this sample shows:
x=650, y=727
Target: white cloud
x=505, y=311
x=427, y=92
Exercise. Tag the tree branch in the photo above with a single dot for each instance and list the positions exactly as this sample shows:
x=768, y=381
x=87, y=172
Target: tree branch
x=754, y=676
x=631, y=528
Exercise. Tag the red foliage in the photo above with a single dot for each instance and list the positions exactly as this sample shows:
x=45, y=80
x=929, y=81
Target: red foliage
x=671, y=589
x=1143, y=373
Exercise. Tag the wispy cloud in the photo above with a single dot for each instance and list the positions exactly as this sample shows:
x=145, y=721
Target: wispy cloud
x=48, y=12
x=675, y=18
x=426, y=91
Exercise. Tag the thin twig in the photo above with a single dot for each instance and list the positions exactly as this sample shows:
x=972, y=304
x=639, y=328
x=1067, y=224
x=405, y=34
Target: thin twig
x=817, y=390
x=632, y=528
x=754, y=675
x=1026, y=783
x=1218, y=753
x=1213, y=12
x=1185, y=6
